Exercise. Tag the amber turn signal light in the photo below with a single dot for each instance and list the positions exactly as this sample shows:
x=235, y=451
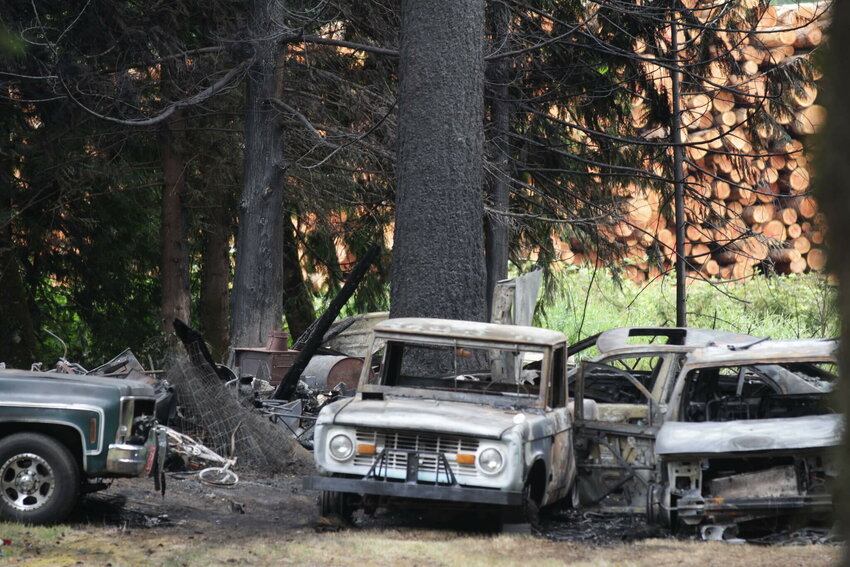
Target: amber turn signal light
x=364, y=449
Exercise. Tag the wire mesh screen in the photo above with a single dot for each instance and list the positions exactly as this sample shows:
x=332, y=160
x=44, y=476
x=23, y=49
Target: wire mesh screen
x=214, y=415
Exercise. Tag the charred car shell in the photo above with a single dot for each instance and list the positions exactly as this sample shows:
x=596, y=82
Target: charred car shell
x=621, y=394
x=648, y=440
x=762, y=449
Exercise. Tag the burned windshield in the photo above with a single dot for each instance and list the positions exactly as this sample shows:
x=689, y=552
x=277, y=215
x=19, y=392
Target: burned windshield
x=758, y=391
x=509, y=370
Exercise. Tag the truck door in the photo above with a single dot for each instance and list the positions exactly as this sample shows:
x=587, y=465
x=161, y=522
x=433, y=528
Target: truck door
x=617, y=417
x=561, y=454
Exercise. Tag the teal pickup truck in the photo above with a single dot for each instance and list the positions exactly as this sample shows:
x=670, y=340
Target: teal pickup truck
x=62, y=435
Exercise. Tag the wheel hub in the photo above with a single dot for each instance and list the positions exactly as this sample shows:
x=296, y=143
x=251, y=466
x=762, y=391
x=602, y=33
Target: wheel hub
x=26, y=482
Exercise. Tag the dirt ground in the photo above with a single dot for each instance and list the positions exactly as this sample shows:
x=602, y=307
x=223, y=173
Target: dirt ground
x=273, y=521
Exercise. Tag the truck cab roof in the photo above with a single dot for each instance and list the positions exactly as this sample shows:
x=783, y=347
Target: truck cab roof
x=421, y=327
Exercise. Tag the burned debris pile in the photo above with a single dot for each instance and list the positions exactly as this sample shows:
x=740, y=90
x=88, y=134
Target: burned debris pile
x=264, y=411
x=211, y=412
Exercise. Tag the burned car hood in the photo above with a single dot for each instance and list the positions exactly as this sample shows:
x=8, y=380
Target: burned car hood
x=784, y=434
x=430, y=415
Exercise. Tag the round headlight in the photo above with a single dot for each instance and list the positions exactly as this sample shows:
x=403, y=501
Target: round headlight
x=490, y=461
x=341, y=447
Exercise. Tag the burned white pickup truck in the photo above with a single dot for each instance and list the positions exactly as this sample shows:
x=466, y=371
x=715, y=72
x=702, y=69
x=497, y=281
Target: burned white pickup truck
x=724, y=433
x=457, y=413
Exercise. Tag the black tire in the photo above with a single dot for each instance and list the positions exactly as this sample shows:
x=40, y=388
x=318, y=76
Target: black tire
x=524, y=518
x=530, y=507
x=39, y=479
x=335, y=504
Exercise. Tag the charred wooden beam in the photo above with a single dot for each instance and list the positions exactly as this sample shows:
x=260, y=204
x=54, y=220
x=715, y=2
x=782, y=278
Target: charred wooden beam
x=286, y=387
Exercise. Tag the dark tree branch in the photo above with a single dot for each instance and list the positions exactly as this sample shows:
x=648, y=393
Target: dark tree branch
x=193, y=100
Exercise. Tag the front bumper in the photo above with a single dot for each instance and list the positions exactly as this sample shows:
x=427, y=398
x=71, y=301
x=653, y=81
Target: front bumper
x=124, y=459
x=693, y=510
x=446, y=493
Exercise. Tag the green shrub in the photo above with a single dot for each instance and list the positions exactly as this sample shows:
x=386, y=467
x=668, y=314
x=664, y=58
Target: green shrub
x=779, y=307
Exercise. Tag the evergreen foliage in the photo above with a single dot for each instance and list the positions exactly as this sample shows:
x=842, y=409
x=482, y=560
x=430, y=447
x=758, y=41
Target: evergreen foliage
x=84, y=86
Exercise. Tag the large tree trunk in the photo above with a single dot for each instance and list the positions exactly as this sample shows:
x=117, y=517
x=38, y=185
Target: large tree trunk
x=297, y=303
x=258, y=286
x=215, y=258
x=834, y=189
x=501, y=112
x=438, y=256
x=174, y=267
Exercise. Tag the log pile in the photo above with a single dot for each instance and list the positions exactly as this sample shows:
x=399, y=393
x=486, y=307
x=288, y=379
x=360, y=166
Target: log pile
x=748, y=203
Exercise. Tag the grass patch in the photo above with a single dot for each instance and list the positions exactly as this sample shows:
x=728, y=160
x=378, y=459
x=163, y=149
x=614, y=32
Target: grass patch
x=378, y=548
x=29, y=541
x=781, y=307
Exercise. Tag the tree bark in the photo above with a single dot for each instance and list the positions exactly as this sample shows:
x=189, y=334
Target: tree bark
x=438, y=257
x=501, y=113
x=174, y=266
x=215, y=259
x=258, y=285
x=297, y=303
x=834, y=189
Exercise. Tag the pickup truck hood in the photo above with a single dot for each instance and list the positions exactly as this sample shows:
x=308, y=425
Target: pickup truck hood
x=50, y=384
x=431, y=415
x=785, y=434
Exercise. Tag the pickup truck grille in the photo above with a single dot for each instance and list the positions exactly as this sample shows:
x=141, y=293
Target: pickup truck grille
x=135, y=430
x=428, y=445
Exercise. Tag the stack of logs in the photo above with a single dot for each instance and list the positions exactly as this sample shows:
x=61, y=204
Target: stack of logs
x=745, y=207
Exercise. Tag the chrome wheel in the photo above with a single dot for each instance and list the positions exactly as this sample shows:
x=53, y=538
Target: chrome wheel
x=27, y=482
x=39, y=479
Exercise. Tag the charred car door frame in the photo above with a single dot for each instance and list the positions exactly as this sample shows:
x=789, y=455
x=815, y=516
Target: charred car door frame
x=616, y=455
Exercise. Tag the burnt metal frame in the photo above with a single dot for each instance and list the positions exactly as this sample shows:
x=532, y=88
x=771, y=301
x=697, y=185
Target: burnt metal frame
x=578, y=396
x=412, y=460
x=629, y=470
x=376, y=482
x=444, y=493
x=701, y=507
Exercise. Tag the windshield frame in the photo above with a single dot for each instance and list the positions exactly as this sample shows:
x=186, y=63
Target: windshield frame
x=500, y=399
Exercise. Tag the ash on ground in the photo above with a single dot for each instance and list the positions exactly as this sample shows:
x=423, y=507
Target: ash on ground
x=801, y=536
x=596, y=527
x=259, y=504
x=611, y=528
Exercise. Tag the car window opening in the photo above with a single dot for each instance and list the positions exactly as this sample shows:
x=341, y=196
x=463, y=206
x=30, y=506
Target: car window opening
x=609, y=382
x=489, y=370
x=759, y=391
